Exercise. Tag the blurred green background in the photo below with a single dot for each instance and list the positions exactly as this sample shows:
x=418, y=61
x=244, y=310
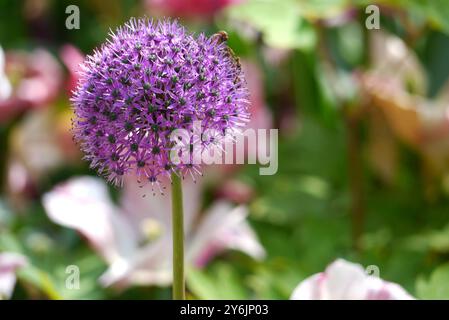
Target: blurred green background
x=363, y=119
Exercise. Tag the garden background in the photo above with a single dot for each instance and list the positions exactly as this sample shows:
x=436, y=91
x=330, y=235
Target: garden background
x=363, y=120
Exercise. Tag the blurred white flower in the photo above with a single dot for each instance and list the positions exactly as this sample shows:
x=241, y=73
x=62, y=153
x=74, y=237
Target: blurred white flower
x=5, y=86
x=395, y=89
x=343, y=280
x=39, y=144
x=135, y=237
x=9, y=263
x=83, y=204
x=35, y=144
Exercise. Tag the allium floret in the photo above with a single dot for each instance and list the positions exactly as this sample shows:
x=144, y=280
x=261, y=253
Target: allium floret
x=149, y=79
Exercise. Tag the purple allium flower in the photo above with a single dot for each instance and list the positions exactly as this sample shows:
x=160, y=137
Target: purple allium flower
x=147, y=80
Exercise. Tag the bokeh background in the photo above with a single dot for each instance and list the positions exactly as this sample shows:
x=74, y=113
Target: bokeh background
x=363, y=119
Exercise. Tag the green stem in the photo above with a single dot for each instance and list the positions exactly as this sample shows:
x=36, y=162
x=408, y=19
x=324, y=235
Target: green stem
x=178, y=239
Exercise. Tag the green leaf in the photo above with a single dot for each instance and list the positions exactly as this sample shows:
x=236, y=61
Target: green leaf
x=435, y=240
x=436, y=287
x=280, y=22
x=435, y=12
x=276, y=279
x=322, y=9
x=220, y=282
x=41, y=280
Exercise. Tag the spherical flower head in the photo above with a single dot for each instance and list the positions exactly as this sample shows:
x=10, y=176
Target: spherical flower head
x=149, y=79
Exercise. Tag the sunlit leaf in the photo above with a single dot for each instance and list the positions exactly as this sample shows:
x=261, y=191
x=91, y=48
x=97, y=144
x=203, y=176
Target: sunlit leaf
x=436, y=286
x=221, y=281
x=280, y=22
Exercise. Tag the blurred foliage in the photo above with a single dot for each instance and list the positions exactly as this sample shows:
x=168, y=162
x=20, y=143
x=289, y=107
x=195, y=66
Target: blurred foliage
x=302, y=214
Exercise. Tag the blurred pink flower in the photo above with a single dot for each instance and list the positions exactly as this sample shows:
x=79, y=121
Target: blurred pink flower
x=5, y=85
x=189, y=8
x=40, y=143
x=72, y=58
x=261, y=117
x=395, y=89
x=339, y=18
x=9, y=263
x=36, y=78
x=235, y=191
x=135, y=237
x=343, y=280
